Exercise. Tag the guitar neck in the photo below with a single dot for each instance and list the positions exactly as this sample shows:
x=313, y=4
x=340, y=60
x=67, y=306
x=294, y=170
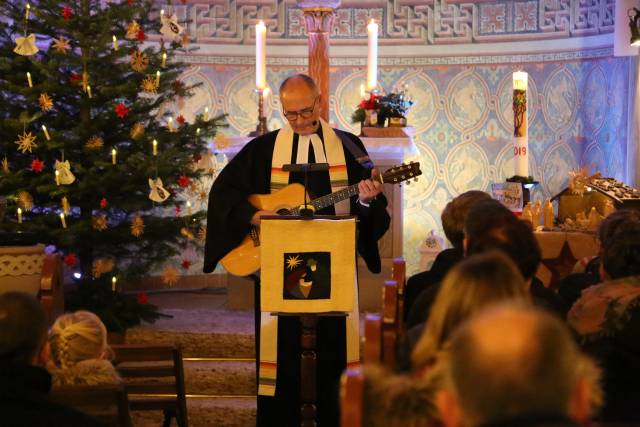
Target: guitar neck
x=333, y=198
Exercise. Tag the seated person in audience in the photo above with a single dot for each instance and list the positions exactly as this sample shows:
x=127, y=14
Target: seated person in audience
x=515, y=366
x=452, y=218
x=470, y=286
x=24, y=383
x=570, y=287
x=391, y=400
x=79, y=351
x=607, y=319
x=491, y=226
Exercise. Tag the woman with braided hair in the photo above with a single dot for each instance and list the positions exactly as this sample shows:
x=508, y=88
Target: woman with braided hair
x=79, y=351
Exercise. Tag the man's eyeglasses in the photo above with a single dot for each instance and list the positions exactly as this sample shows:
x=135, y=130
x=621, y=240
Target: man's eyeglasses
x=305, y=114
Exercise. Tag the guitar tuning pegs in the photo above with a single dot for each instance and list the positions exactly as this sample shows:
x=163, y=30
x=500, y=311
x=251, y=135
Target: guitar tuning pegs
x=415, y=179
x=408, y=182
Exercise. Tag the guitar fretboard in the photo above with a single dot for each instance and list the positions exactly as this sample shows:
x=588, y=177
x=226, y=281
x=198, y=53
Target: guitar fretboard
x=330, y=199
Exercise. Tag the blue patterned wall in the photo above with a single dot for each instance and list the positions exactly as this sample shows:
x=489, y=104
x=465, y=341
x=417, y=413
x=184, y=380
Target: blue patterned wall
x=463, y=122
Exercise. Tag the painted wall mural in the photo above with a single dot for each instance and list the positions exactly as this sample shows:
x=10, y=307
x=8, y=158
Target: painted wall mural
x=463, y=121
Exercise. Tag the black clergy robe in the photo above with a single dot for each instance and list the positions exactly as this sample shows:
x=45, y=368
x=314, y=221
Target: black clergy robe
x=228, y=222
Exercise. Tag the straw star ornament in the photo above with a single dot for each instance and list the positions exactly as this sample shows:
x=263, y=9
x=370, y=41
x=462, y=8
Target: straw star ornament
x=26, y=142
x=45, y=101
x=61, y=45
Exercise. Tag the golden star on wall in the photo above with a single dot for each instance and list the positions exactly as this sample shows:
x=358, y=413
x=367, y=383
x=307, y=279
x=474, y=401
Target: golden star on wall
x=61, y=45
x=26, y=142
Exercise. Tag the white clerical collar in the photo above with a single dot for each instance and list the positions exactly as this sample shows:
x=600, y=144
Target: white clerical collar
x=303, y=148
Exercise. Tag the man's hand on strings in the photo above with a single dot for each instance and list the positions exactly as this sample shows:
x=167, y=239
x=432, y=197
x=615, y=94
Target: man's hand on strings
x=368, y=189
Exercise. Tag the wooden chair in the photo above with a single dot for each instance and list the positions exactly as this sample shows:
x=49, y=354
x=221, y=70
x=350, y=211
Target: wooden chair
x=372, y=351
x=143, y=367
x=351, y=397
x=108, y=403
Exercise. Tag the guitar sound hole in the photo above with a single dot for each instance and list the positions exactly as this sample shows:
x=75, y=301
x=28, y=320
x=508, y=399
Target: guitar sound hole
x=284, y=212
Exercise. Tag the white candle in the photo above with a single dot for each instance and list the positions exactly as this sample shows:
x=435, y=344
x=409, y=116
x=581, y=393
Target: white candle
x=161, y=12
x=261, y=51
x=206, y=113
x=64, y=222
x=29, y=79
x=114, y=280
x=155, y=147
x=372, y=58
x=198, y=131
x=113, y=156
x=170, y=124
x=158, y=78
x=521, y=139
x=164, y=59
x=57, y=177
x=46, y=133
x=89, y=91
x=189, y=208
x=19, y=216
x=115, y=42
x=27, y=12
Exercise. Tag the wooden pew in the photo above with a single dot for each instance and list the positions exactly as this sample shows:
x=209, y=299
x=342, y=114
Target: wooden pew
x=154, y=378
x=108, y=403
x=351, y=397
x=389, y=319
x=372, y=352
x=399, y=274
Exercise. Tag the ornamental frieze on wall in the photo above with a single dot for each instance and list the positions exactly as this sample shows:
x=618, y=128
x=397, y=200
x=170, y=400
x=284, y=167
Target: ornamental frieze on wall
x=425, y=22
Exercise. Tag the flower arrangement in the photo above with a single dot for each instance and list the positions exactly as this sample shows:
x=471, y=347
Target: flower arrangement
x=394, y=105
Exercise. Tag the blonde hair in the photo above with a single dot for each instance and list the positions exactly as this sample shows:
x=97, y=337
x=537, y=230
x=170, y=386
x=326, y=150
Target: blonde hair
x=470, y=286
x=78, y=336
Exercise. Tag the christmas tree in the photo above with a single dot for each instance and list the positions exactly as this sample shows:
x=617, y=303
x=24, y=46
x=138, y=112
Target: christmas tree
x=96, y=156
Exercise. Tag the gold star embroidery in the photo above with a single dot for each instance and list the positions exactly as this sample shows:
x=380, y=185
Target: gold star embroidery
x=139, y=61
x=46, y=103
x=293, y=262
x=26, y=142
x=94, y=143
x=61, y=45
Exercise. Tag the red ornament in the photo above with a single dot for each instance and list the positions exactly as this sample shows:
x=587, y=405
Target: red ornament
x=130, y=2
x=142, y=298
x=369, y=104
x=186, y=264
x=103, y=203
x=70, y=260
x=141, y=35
x=122, y=110
x=181, y=120
x=178, y=210
x=184, y=181
x=37, y=165
x=67, y=13
x=75, y=78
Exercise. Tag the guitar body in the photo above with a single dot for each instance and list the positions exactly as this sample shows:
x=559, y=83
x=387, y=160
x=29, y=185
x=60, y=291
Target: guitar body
x=245, y=258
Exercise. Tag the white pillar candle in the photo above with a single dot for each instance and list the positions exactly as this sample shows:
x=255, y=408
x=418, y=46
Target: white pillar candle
x=19, y=216
x=115, y=42
x=155, y=147
x=521, y=138
x=189, y=212
x=113, y=155
x=164, y=59
x=46, y=133
x=114, y=281
x=64, y=222
x=158, y=78
x=29, y=79
x=261, y=52
x=372, y=58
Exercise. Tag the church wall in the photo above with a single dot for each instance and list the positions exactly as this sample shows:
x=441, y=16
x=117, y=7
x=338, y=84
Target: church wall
x=462, y=114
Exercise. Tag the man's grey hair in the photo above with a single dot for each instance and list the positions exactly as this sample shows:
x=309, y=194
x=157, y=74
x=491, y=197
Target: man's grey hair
x=311, y=84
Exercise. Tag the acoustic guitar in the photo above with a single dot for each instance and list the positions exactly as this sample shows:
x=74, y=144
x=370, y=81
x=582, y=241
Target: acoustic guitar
x=245, y=258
